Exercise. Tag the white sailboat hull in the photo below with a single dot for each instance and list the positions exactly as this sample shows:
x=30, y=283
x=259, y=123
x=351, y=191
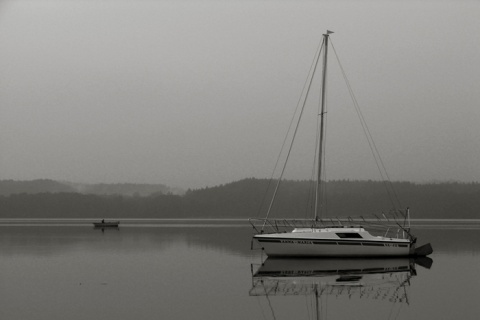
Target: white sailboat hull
x=326, y=244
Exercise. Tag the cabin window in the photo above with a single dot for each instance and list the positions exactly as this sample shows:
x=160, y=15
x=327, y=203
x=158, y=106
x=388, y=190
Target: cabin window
x=349, y=235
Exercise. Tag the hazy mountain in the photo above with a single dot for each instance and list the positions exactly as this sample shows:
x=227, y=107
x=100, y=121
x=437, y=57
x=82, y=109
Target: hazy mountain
x=8, y=187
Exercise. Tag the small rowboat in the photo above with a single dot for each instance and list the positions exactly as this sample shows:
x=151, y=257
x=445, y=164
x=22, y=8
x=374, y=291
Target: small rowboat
x=106, y=224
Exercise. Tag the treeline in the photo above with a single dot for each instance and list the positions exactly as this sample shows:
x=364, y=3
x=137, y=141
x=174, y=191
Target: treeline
x=77, y=205
x=251, y=198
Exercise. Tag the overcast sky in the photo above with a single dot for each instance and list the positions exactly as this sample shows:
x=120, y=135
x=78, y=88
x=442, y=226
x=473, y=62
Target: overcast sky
x=200, y=93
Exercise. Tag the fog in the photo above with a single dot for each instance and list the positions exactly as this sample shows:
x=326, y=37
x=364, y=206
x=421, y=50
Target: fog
x=200, y=93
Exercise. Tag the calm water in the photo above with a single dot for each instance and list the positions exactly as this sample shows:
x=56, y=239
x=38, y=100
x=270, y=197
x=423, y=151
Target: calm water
x=207, y=271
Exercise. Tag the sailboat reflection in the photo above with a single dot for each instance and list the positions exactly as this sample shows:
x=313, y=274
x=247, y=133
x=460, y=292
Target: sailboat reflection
x=385, y=279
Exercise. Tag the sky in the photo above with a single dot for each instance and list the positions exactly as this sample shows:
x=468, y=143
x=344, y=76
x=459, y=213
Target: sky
x=200, y=93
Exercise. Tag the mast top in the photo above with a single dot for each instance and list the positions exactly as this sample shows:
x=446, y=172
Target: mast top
x=328, y=32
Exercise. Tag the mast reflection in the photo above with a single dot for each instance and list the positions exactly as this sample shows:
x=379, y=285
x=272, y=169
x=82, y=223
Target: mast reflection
x=379, y=279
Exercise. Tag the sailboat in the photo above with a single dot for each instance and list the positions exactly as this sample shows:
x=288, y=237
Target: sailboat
x=339, y=238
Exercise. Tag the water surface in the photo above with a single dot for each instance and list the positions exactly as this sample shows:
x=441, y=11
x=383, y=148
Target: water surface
x=181, y=270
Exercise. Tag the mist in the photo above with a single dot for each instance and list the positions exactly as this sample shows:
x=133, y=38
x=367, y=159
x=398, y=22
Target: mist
x=199, y=93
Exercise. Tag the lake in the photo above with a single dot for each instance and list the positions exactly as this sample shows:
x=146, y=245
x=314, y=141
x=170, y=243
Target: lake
x=206, y=270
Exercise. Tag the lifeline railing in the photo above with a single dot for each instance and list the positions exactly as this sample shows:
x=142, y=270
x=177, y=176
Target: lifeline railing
x=390, y=228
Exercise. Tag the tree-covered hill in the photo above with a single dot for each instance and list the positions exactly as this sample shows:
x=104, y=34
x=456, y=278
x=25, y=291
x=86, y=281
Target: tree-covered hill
x=124, y=189
x=250, y=198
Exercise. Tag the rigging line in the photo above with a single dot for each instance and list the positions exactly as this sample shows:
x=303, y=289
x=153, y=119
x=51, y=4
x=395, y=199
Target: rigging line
x=318, y=193
x=310, y=305
x=393, y=306
x=398, y=299
x=367, y=134
x=324, y=168
x=310, y=191
x=323, y=198
x=316, y=59
x=261, y=308
x=359, y=114
x=321, y=132
x=270, y=304
x=312, y=187
x=376, y=154
x=311, y=70
x=392, y=310
x=386, y=181
x=325, y=306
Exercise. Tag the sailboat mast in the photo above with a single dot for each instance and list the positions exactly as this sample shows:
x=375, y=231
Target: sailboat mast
x=318, y=194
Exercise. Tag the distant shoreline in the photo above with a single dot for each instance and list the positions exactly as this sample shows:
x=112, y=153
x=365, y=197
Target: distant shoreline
x=46, y=199
x=185, y=222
